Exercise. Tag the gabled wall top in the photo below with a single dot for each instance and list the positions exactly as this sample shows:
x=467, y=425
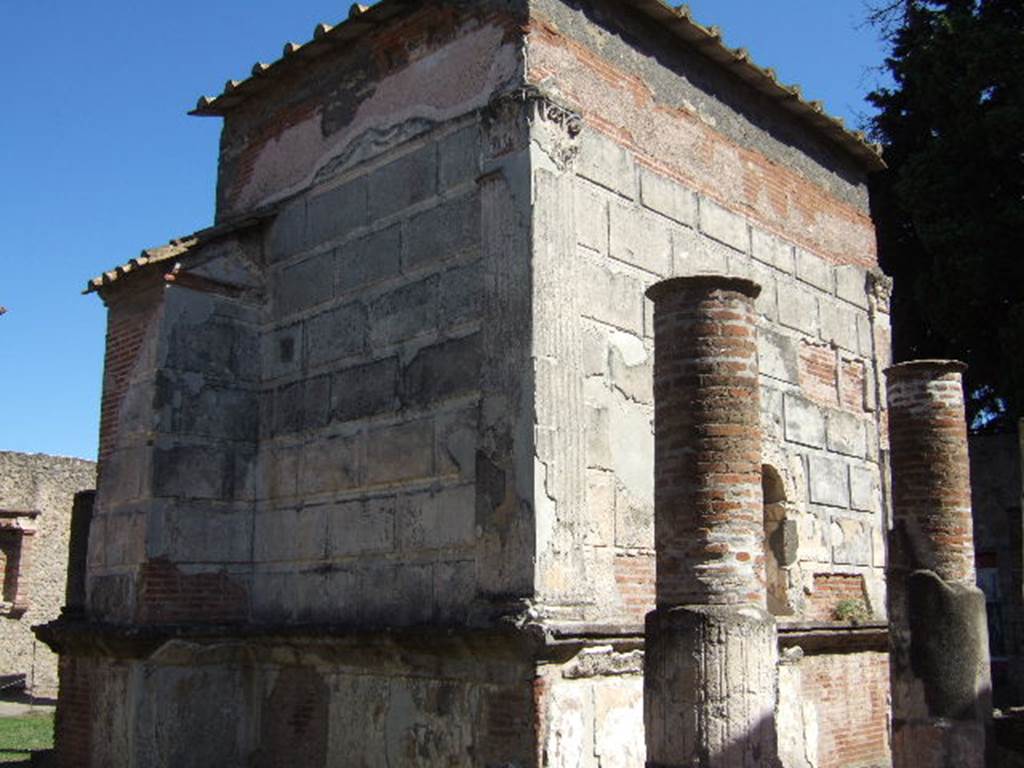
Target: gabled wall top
x=706, y=40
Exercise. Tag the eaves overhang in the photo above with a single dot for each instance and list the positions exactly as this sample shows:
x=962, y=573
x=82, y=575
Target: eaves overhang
x=706, y=40
x=175, y=251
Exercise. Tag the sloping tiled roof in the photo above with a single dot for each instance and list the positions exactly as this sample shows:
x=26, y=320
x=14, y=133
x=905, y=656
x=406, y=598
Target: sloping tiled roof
x=174, y=251
x=707, y=40
x=149, y=257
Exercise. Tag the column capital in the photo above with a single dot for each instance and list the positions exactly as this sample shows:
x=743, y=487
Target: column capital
x=666, y=288
x=924, y=369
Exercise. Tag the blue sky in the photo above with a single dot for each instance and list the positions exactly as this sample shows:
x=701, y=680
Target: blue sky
x=99, y=160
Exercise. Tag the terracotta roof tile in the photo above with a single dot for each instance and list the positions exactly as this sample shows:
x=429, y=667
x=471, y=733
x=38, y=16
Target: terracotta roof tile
x=174, y=251
x=708, y=40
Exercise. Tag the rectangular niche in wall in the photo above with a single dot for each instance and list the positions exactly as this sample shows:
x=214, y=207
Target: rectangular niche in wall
x=16, y=535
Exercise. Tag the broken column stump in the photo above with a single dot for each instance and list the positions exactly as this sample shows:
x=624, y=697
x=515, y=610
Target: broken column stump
x=939, y=663
x=711, y=645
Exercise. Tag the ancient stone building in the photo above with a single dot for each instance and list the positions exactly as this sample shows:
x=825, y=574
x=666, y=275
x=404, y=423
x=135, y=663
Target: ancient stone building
x=377, y=449
x=37, y=494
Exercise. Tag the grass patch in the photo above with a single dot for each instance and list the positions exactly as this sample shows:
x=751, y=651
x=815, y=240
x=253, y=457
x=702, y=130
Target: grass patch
x=20, y=736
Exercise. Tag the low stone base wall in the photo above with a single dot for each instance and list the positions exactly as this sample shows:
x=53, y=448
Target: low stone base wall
x=591, y=709
x=181, y=698
x=557, y=697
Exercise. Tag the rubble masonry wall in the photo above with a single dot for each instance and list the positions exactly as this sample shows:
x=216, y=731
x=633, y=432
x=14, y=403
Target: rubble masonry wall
x=47, y=485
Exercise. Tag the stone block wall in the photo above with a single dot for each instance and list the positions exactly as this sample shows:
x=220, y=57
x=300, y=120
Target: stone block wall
x=716, y=202
x=36, y=496
x=169, y=537
x=372, y=358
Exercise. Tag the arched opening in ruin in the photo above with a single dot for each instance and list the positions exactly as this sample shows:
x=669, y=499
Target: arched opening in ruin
x=779, y=541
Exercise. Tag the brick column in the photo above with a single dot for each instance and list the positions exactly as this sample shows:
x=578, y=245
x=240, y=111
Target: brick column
x=939, y=665
x=709, y=683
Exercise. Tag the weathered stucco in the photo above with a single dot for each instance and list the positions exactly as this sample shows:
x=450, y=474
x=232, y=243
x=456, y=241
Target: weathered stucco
x=435, y=64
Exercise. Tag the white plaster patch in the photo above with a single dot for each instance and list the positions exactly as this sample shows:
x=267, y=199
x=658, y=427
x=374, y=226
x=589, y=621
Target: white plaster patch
x=632, y=443
x=629, y=347
x=545, y=508
x=619, y=723
x=566, y=738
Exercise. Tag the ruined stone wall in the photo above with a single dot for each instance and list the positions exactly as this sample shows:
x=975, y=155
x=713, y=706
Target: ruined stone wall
x=413, y=386
x=45, y=485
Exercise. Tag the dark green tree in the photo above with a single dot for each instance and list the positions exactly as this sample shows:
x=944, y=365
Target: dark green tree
x=950, y=208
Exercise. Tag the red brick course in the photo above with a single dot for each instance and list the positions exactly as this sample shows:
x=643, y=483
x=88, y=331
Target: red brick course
x=830, y=589
x=851, y=385
x=707, y=484
x=73, y=724
x=168, y=596
x=635, y=579
x=819, y=372
x=128, y=322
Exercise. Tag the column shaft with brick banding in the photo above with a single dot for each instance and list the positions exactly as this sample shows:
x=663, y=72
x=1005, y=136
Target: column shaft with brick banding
x=941, y=690
x=708, y=517
x=709, y=686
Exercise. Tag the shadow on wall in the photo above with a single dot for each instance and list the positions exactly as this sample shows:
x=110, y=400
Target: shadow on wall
x=1006, y=750
x=740, y=753
x=780, y=541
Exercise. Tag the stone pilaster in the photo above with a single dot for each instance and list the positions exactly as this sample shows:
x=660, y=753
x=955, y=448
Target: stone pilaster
x=941, y=683
x=709, y=690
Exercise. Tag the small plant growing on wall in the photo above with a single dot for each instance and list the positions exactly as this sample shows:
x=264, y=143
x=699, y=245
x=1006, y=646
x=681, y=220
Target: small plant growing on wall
x=851, y=611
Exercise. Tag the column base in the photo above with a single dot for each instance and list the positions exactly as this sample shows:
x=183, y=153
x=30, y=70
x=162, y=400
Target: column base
x=941, y=681
x=710, y=687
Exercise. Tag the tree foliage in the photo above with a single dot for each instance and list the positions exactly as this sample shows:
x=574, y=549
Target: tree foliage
x=950, y=209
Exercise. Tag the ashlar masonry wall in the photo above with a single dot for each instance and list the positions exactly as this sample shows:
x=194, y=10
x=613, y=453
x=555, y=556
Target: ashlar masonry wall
x=317, y=432
x=679, y=171
x=639, y=216
x=322, y=392
x=391, y=356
